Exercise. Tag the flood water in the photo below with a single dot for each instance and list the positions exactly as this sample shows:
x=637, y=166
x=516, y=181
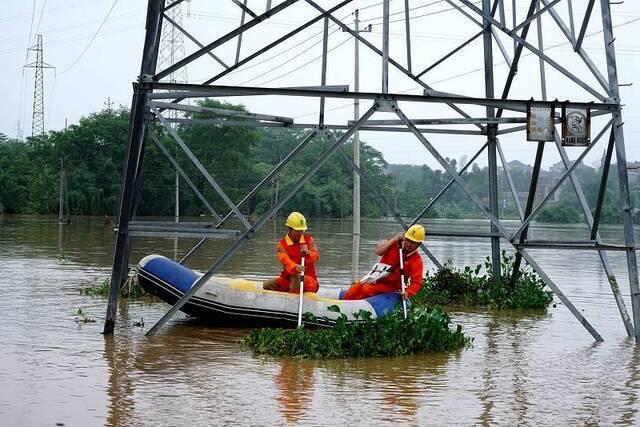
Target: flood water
x=522, y=369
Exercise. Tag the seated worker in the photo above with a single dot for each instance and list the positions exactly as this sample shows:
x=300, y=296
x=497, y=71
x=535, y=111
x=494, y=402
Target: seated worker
x=289, y=251
x=385, y=274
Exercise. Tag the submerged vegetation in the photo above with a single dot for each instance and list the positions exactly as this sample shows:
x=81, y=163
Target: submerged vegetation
x=470, y=287
x=83, y=317
x=130, y=289
x=425, y=330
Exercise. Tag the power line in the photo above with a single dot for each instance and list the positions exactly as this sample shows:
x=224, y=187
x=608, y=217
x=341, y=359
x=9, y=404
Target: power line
x=305, y=64
x=288, y=61
x=92, y=38
x=402, y=11
x=472, y=71
x=40, y=18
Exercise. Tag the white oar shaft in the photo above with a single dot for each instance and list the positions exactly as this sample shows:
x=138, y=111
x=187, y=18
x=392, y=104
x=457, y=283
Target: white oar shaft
x=301, y=293
x=404, y=302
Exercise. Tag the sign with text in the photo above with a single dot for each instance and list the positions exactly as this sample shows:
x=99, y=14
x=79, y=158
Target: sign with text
x=540, y=123
x=576, y=127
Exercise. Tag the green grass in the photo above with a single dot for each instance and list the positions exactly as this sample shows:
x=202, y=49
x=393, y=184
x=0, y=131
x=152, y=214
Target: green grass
x=425, y=330
x=130, y=289
x=475, y=288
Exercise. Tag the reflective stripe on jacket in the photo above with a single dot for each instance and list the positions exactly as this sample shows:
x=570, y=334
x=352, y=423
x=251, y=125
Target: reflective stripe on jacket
x=290, y=255
x=412, y=270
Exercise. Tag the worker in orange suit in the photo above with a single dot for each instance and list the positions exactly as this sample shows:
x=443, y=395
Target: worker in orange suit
x=385, y=275
x=290, y=250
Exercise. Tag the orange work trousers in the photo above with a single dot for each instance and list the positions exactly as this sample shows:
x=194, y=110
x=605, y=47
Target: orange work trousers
x=310, y=284
x=362, y=291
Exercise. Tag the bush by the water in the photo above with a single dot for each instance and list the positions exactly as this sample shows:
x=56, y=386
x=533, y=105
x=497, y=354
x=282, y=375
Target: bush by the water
x=425, y=330
x=130, y=289
x=470, y=287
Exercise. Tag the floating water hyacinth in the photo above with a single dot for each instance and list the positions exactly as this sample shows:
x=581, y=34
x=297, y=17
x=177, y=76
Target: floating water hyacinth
x=424, y=331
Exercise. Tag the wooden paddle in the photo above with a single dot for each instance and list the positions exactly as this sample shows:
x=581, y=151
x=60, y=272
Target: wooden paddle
x=404, y=302
x=301, y=293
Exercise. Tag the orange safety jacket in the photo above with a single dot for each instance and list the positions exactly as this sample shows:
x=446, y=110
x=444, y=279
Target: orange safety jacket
x=412, y=270
x=290, y=256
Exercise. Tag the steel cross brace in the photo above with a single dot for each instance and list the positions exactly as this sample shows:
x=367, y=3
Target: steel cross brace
x=557, y=185
x=265, y=180
x=512, y=186
x=499, y=227
x=536, y=52
x=202, y=169
x=230, y=35
x=585, y=58
x=378, y=194
x=193, y=39
x=184, y=176
x=613, y=282
x=446, y=187
x=396, y=64
x=240, y=242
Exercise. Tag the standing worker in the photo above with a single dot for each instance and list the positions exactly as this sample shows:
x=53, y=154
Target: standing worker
x=385, y=276
x=290, y=250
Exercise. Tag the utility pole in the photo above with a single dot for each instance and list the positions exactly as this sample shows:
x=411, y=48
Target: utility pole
x=37, y=122
x=64, y=216
x=355, y=250
x=172, y=51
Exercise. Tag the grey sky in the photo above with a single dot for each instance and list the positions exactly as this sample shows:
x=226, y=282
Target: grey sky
x=83, y=83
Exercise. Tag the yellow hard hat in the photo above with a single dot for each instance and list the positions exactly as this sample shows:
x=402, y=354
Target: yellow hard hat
x=415, y=233
x=296, y=221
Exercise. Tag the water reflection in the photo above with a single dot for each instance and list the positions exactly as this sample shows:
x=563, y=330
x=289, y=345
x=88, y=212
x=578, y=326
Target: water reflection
x=629, y=416
x=119, y=352
x=294, y=383
x=506, y=366
x=388, y=390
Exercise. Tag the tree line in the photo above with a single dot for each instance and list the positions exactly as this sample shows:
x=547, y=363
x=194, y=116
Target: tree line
x=238, y=158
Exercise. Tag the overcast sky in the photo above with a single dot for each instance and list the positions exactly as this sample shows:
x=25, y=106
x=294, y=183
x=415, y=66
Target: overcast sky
x=88, y=71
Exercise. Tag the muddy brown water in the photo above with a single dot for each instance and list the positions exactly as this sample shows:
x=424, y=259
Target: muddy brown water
x=522, y=369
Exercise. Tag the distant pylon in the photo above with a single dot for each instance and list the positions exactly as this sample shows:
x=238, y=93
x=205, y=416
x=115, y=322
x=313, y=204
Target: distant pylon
x=172, y=42
x=19, y=136
x=172, y=51
x=37, y=122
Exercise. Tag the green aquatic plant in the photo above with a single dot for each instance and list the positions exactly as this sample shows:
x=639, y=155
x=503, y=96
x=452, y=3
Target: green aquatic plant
x=476, y=287
x=83, y=317
x=130, y=289
x=425, y=330
x=62, y=256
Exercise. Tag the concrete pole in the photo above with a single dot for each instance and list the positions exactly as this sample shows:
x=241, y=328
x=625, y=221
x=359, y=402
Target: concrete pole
x=355, y=250
x=385, y=46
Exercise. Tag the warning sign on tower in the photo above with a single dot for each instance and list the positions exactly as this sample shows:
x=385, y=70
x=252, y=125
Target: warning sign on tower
x=576, y=127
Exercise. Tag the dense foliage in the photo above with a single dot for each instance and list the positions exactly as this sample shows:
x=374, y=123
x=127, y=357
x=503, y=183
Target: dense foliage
x=424, y=330
x=237, y=157
x=468, y=287
x=425, y=183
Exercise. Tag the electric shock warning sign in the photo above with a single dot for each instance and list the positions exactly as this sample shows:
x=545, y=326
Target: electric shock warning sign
x=576, y=127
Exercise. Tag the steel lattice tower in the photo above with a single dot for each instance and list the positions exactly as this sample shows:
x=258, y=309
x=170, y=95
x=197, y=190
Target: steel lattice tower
x=172, y=42
x=37, y=122
x=502, y=108
x=172, y=51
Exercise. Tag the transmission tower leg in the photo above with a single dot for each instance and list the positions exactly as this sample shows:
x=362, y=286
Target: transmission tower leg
x=137, y=134
x=492, y=130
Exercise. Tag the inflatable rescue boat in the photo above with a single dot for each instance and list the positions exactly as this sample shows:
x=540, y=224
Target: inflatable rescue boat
x=241, y=302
